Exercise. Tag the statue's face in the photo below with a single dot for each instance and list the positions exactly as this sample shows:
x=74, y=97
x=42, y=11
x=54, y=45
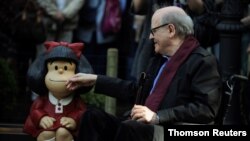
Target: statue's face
x=58, y=73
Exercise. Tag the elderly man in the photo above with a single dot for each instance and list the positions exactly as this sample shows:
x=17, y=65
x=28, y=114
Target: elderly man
x=181, y=85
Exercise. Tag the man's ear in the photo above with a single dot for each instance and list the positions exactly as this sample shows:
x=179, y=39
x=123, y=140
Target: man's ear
x=172, y=30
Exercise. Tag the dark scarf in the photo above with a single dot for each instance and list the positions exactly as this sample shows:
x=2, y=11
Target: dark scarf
x=155, y=98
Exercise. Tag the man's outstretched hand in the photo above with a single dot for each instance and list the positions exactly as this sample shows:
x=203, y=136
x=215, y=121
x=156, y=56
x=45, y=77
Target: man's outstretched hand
x=80, y=80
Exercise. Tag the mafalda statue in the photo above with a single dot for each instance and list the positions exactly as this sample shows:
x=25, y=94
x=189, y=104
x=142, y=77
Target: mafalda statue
x=56, y=113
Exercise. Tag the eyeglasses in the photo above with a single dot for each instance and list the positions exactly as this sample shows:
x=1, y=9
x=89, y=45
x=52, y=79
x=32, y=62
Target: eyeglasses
x=153, y=30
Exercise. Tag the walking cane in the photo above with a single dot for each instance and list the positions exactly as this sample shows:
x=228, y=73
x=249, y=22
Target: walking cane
x=140, y=97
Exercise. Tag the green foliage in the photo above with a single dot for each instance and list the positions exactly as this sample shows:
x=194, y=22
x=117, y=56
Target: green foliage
x=94, y=99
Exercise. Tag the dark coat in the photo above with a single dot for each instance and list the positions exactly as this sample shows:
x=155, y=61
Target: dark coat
x=193, y=96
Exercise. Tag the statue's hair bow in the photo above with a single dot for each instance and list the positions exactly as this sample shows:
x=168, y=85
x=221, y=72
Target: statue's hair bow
x=76, y=47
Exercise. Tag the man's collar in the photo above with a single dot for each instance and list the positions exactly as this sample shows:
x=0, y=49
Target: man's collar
x=167, y=57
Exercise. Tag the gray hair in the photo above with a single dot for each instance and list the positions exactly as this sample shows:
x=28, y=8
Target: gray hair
x=182, y=22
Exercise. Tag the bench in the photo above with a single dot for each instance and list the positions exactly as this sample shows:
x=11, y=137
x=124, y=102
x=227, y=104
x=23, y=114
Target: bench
x=13, y=132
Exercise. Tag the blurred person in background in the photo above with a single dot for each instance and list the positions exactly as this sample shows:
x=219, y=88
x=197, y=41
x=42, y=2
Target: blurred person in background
x=61, y=18
x=90, y=31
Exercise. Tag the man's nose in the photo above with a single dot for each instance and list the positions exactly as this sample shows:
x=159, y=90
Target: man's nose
x=151, y=36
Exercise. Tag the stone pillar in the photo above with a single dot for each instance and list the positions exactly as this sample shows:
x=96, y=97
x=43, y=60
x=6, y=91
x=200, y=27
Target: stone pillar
x=112, y=69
